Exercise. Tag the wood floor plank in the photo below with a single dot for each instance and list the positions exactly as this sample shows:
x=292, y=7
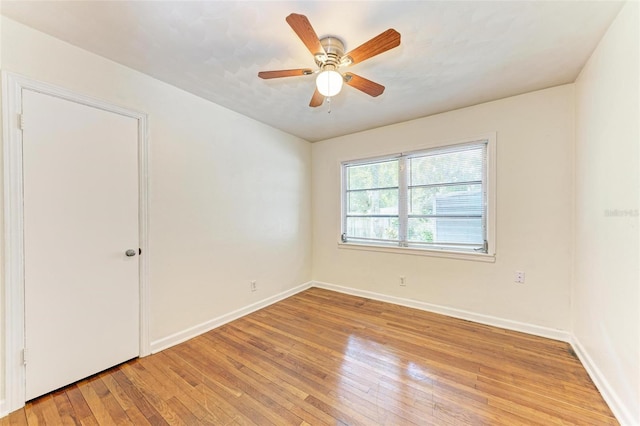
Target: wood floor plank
x=186, y=392
x=214, y=397
x=291, y=388
x=137, y=397
x=98, y=406
x=265, y=410
x=152, y=391
x=279, y=391
x=80, y=406
x=311, y=380
x=324, y=358
x=351, y=388
x=125, y=402
x=17, y=418
x=43, y=413
x=65, y=409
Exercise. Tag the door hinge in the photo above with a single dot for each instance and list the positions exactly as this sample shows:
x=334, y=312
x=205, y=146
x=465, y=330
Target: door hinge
x=21, y=121
x=24, y=356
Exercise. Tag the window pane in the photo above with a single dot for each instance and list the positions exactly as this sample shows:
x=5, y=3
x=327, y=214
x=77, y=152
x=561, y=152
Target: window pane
x=458, y=200
x=445, y=230
x=370, y=176
x=384, y=228
x=377, y=201
x=447, y=167
x=442, y=205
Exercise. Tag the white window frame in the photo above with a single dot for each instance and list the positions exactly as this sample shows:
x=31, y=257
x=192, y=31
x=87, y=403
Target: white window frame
x=489, y=187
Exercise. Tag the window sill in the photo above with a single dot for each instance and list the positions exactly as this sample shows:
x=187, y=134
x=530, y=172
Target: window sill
x=476, y=257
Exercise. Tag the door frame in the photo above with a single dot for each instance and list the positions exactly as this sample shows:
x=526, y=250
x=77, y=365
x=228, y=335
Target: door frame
x=14, y=299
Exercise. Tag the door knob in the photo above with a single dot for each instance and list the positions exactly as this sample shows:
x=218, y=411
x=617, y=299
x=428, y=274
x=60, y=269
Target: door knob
x=130, y=252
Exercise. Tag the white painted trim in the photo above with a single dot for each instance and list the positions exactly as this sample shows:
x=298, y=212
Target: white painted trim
x=3, y=408
x=14, y=385
x=190, y=333
x=492, y=193
x=143, y=235
x=522, y=327
x=12, y=85
x=447, y=254
x=622, y=413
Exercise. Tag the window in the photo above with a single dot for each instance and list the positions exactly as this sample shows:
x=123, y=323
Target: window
x=434, y=199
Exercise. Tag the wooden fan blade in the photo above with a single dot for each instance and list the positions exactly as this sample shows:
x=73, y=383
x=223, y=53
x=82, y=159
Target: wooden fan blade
x=367, y=86
x=377, y=45
x=301, y=25
x=284, y=73
x=316, y=100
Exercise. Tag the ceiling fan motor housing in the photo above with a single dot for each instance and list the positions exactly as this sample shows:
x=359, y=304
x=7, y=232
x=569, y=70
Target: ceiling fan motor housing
x=334, y=52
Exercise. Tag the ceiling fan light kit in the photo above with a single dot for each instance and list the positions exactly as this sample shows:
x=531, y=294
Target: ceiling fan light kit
x=329, y=82
x=329, y=56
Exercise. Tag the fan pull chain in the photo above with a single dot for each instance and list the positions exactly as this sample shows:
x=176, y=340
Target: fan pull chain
x=329, y=103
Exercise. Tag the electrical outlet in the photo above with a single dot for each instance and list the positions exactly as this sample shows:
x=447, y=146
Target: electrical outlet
x=519, y=277
x=403, y=281
x=253, y=286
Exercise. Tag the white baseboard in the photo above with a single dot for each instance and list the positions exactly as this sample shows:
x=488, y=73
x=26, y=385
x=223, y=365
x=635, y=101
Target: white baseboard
x=622, y=413
x=182, y=336
x=536, y=330
x=3, y=408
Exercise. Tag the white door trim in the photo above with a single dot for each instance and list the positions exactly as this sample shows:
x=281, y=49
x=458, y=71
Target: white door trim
x=14, y=316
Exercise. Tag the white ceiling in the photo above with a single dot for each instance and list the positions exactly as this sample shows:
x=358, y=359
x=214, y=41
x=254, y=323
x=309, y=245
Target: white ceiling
x=452, y=54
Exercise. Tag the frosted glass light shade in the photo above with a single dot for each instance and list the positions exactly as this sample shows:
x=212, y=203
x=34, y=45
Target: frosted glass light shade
x=329, y=83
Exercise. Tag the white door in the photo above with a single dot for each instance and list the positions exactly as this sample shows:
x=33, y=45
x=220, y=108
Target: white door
x=80, y=217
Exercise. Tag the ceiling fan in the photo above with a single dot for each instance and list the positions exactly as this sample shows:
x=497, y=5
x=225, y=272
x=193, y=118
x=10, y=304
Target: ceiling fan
x=329, y=55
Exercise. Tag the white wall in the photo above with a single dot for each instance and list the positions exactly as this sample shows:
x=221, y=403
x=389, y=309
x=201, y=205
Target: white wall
x=605, y=296
x=534, y=200
x=229, y=199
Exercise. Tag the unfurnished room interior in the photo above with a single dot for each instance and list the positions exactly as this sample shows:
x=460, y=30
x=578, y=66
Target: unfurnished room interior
x=320, y=212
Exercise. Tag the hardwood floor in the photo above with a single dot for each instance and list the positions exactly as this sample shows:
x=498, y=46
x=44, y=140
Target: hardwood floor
x=324, y=358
